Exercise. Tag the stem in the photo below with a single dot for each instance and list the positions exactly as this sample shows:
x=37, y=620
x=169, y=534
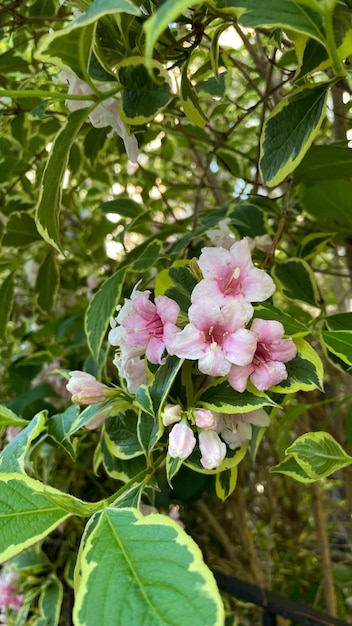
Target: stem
x=219, y=531
x=320, y=523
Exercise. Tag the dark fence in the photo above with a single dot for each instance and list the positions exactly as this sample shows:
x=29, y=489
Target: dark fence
x=272, y=604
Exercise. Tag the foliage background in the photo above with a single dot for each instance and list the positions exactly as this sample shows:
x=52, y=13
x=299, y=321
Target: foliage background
x=198, y=164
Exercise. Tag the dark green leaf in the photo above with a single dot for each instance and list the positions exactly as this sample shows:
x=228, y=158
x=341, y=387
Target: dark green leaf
x=100, y=309
x=290, y=130
x=20, y=231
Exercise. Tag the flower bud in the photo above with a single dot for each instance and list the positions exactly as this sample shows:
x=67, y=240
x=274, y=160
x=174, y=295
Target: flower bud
x=181, y=441
x=205, y=419
x=86, y=389
x=171, y=414
x=212, y=448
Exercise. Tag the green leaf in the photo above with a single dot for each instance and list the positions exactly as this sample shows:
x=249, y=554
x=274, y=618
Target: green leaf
x=330, y=202
x=6, y=299
x=305, y=371
x=183, y=283
x=158, y=22
x=293, y=327
x=318, y=454
x=100, y=309
x=339, y=342
x=189, y=101
x=173, y=465
x=99, y=8
x=225, y=482
x=150, y=429
x=163, y=381
x=148, y=257
x=9, y=418
x=314, y=244
x=221, y=397
x=47, y=211
x=12, y=457
x=27, y=514
x=116, y=574
x=47, y=283
x=144, y=400
x=143, y=95
x=276, y=13
x=248, y=219
x=120, y=435
x=122, y=206
x=324, y=163
x=20, y=231
x=69, y=48
x=122, y=469
x=59, y=428
x=297, y=280
x=50, y=601
x=291, y=468
x=290, y=130
x=339, y=321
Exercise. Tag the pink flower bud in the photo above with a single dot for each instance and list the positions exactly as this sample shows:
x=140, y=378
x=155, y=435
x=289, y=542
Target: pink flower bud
x=85, y=389
x=171, y=414
x=212, y=448
x=205, y=419
x=181, y=441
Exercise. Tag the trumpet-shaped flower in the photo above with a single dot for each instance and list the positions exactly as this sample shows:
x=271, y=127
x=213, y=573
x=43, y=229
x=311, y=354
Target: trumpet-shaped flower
x=229, y=274
x=86, y=389
x=236, y=429
x=149, y=326
x=216, y=336
x=105, y=113
x=267, y=367
x=181, y=441
x=212, y=449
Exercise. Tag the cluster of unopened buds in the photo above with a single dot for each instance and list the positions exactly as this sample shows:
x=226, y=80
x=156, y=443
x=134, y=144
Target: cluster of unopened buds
x=220, y=335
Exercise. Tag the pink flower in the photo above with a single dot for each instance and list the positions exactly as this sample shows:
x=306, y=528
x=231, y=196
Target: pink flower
x=131, y=367
x=181, y=441
x=236, y=429
x=148, y=326
x=231, y=274
x=213, y=450
x=215, y=336
x=205, y=419
x=9, y=596
x=267, y=367
x=85, y=389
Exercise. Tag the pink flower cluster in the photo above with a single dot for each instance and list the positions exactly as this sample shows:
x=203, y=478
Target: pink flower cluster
x=215, y=430
x=216, y=335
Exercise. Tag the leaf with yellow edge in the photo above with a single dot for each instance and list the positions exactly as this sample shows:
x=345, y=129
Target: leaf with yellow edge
x=189, y=101
x=142, y=570
x=27, y=513
x=47, y=210
x=225, y=482
x=317, y=454
x=290, y=130
x=305, y=371
x=165, y=14
x=12, y=457
x=144, y=93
